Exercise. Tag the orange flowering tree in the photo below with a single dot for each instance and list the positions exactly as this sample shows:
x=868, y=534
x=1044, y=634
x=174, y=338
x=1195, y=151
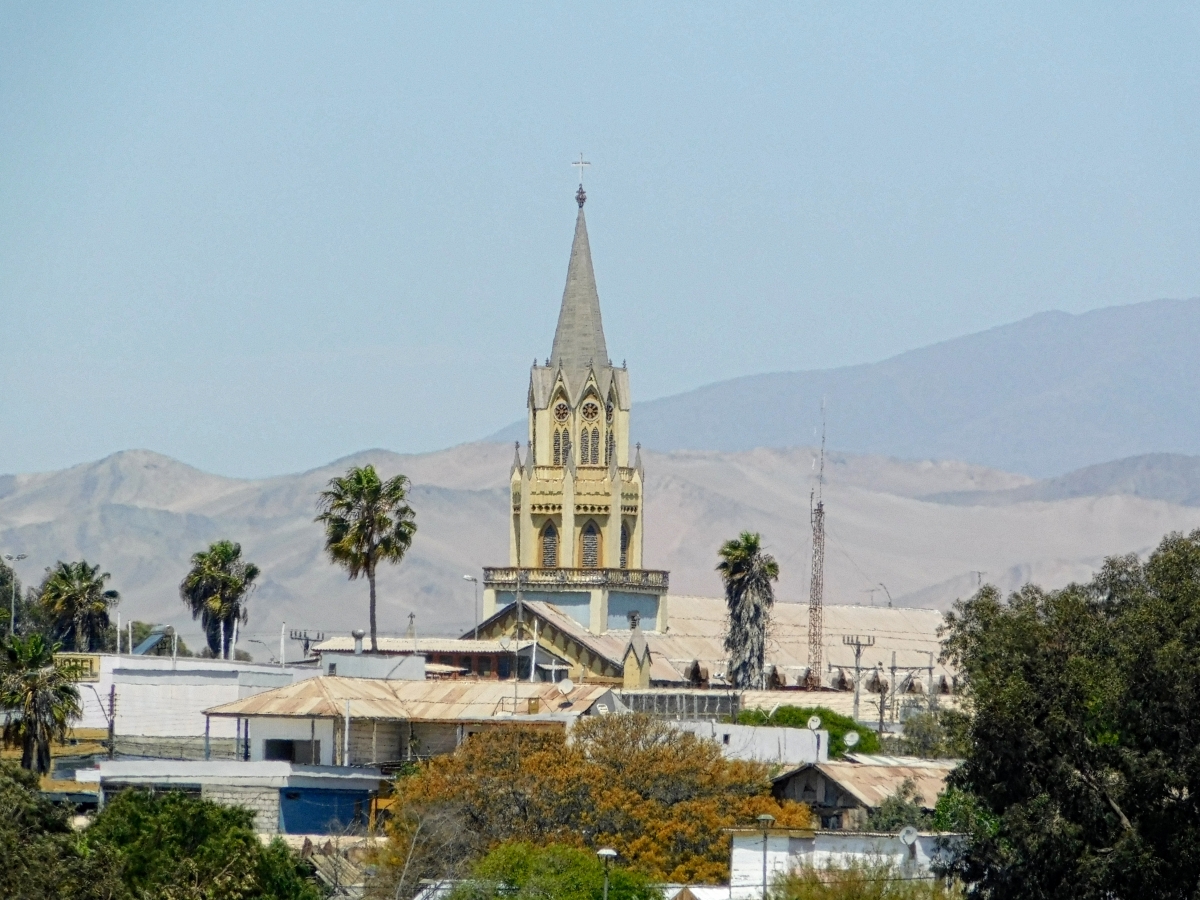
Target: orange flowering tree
x=658, y=796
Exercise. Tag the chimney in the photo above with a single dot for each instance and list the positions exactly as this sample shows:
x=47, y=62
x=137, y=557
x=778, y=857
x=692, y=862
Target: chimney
x=358, y=636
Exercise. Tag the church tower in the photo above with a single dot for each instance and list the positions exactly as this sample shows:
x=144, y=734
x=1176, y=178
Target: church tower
x=577, y=501
x=576, y=520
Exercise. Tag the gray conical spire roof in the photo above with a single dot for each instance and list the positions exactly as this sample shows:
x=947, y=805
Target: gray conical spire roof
x=579, y=337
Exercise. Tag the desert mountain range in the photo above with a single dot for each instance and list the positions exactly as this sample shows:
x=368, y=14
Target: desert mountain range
x=921, y=532
x=1044, y=396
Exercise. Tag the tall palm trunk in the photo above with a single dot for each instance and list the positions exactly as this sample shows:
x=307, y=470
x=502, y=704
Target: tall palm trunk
x=371, y=581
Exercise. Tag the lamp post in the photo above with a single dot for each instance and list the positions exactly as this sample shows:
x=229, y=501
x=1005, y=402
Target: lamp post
x=766, y=820
x=608, y=855
x=12, y=608
x=475, y=580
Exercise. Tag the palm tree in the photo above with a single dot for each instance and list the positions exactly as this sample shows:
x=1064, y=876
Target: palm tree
x=215, y=589
x=75, y=596
x=39, y=701
x=747, y=572
x=367, y=521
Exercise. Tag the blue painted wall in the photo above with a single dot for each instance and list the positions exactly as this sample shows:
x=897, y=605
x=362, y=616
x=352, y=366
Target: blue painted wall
x=575, y=604
x=318, y=811
x=621, y=605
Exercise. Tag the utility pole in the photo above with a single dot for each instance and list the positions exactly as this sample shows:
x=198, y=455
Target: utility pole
x=306, y=639
x=858, y=642
x=816, y=587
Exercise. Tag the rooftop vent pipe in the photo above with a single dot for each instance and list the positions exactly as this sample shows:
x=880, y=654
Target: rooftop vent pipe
x=358, y=636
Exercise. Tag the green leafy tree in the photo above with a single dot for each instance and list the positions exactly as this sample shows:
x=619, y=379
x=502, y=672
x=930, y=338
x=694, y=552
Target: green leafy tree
x=216, y=589
x=835, y=723
x=77, y=601
x=41, y=857
x=367, y=521
x=747, y=572
x=904, y=807
x=1084, y=735
x=936, y=734
x=38, y=699
x=521, y=871
x=172, y=845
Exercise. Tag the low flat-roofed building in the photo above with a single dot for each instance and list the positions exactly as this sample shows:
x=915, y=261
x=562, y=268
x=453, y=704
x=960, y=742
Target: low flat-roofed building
x=285, y=797
x=912, y=855
x=157, y=703
x=451, y=657
x=332, y=720
x=842, y=793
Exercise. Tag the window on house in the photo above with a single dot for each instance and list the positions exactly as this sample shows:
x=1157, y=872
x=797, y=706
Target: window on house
x=590, y=546
x=624, y=546
x=465, y=663
x=302, y=753
x=549, y=546
x=485, y=665
x=610, y=449
x=503, y=669
x=595, y=446
x=558, y=454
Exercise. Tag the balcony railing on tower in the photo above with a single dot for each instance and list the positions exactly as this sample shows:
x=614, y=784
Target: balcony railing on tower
x=505, y=578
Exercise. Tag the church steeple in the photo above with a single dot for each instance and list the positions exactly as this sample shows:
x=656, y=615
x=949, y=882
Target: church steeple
x=579, y=337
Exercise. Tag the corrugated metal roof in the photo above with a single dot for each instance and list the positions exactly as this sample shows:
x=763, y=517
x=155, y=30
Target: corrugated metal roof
x=872, y=783
x=697, y=625
x=419, y=701
x=407, y=645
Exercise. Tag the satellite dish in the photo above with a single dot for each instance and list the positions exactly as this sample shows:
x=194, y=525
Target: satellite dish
x=908, y=835
x=850, y=739
x=566, y=686
x=814, y=722
x=504, y=642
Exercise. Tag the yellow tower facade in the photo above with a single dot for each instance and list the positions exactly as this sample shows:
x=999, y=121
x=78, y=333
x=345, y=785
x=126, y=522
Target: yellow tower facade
x=576, y=524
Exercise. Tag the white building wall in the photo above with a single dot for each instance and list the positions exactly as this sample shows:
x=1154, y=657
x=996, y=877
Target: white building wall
x=746, y=862
x=837, y=849
x=783, y=746
x=160, y=697
x=290, y=729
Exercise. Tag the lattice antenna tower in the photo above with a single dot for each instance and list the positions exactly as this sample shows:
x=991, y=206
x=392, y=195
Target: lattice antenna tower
x=816, y=587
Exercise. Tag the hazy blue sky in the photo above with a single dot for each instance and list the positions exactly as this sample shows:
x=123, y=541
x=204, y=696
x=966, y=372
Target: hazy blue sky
x=259, y=237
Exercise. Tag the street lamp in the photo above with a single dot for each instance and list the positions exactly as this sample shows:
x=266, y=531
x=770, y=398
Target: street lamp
x=12, y=609
x=472, y=578
x=766, y=820
x=608, y=855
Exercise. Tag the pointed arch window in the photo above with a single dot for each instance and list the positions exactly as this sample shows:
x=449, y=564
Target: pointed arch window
x=549, y=546
x=595, y=446
x=589, y=541
x=558, y=439
x=624, y=546
x=610, y=449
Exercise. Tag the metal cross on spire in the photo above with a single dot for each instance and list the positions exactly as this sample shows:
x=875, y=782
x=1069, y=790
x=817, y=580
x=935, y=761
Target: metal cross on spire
x=581, y=194
x=580, y=166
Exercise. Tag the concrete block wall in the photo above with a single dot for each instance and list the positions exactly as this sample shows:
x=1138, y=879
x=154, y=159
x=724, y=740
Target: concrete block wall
x=262, y=801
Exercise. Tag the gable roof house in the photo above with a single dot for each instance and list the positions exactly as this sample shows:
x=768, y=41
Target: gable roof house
x=842, y=793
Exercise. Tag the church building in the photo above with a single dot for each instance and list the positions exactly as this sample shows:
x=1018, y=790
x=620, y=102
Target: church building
x=575, y=529
x=575, y=598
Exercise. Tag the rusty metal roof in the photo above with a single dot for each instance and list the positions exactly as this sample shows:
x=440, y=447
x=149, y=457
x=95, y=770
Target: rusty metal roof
x=418, y=701
x=697, y=625
x=872, y=783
